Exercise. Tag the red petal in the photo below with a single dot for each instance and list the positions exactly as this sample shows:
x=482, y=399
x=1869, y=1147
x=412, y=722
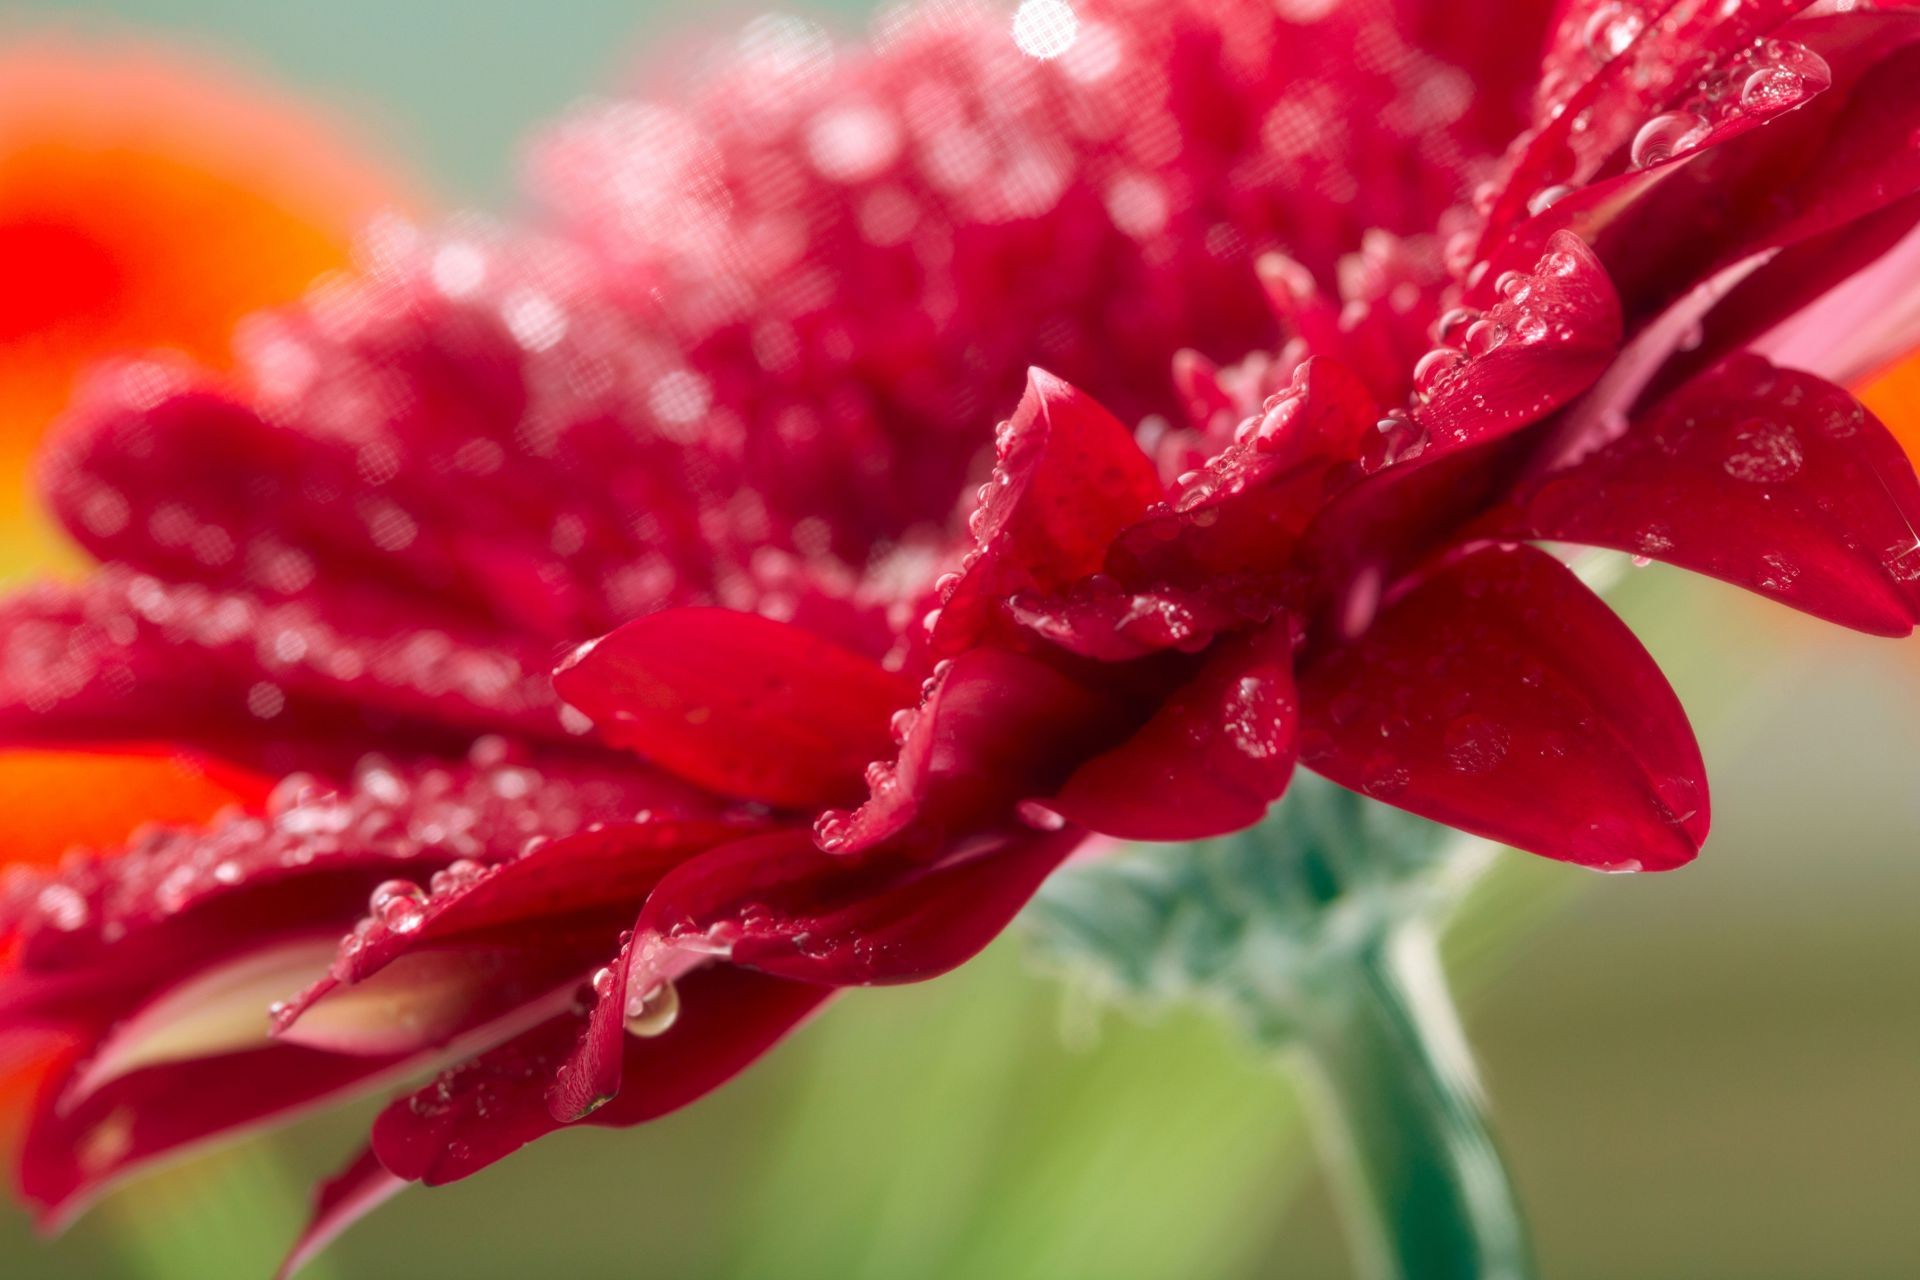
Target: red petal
x=996, y=727
x=1770, y=479
x=779, y=905
x=1500, y=696
x=493, y=1105
x=1589, y=108
x=1559, y=328
x=339, y=1202
x=68, y=1157
x=1211, y=760
x=1068, y=478
x=738, y=703
x=1234, y=523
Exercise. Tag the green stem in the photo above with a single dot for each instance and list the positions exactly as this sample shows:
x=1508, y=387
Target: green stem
x=1427, y=1195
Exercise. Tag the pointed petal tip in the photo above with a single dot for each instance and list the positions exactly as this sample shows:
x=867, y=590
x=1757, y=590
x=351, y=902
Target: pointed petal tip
x=1050, y=386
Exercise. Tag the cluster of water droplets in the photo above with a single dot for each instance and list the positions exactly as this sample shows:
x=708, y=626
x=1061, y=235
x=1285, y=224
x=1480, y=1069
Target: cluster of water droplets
x=1763, y=80
x=452, y=822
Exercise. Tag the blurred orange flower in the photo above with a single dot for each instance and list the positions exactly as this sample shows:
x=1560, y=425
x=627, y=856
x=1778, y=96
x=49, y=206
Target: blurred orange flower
x=148, y=199
x=1894, y=398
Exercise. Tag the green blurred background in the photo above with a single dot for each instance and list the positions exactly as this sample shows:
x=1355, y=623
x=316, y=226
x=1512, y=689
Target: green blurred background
x=1713, y=1074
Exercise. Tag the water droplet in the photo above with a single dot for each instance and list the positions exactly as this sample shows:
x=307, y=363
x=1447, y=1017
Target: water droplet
x=1451, y=325
x=1039, y=816
x=602, y=982
x=1475, y=744
x=1677, y=797
x=654, y=1013
x=1771, y=89
x=1778, y=573
x=398, y=904
x=1435, y=368
x=833, y=830
x=1546, y=198
x=1667, y=135
x=1385, y=777
x=1610, y=30
x=1485, y=336
x=1764, y=452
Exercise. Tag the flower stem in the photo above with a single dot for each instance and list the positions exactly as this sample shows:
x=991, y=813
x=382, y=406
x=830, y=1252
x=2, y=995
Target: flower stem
x=1426, y=1194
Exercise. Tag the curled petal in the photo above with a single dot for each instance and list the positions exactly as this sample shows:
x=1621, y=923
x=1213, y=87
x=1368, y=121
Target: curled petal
x=1068, y=477
x=739, y=703
x=1500, y=696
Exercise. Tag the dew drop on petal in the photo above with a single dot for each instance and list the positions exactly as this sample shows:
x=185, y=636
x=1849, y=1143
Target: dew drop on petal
x=1665, y=136
x=653, y=1013
x=1474, y=744
x=1610, y=30
x=1770, y=89
x=1764, y=452
x=397, y=904
x=1435, y=368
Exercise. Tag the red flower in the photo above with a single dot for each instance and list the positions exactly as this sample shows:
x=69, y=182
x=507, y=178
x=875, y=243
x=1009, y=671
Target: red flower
x=719, y=409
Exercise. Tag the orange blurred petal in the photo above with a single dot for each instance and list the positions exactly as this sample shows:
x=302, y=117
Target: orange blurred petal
x=147, y=199
x=1894, y=398
x=54, y=800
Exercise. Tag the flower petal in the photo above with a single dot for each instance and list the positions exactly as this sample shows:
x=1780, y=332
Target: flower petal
x=220, y=1009
x=339, y=1202
x=1211, y=760
x=779, y=905
x=1068, y=477
x=1769, y=479
x=995, y=728
x=1498, y=695
x=738, y=703
x=1558, y=328
x=69, y=1156
x=492, y=1105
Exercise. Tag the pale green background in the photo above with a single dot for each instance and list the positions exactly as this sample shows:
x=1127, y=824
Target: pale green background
x=1705, y=1076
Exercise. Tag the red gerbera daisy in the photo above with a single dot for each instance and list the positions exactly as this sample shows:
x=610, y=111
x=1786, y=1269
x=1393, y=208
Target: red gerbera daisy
x=717, y=410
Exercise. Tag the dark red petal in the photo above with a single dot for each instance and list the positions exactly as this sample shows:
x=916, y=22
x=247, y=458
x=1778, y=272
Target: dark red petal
x=1100, y=619
x=1068, y=477
x=492, y=1105
x=1499, y=695
x=277, y=685
x=103, y=934
x=1767, y=478
x=1558, y=327
x=1211, y=760
x=560, y=886
x=738, y=703
x=779, y=905
x=67, y=1157
x=1233, y=524
x=995, y=728
x=339, y=1202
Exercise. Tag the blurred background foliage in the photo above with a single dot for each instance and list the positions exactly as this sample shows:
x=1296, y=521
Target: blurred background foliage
x=1699, y=1076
